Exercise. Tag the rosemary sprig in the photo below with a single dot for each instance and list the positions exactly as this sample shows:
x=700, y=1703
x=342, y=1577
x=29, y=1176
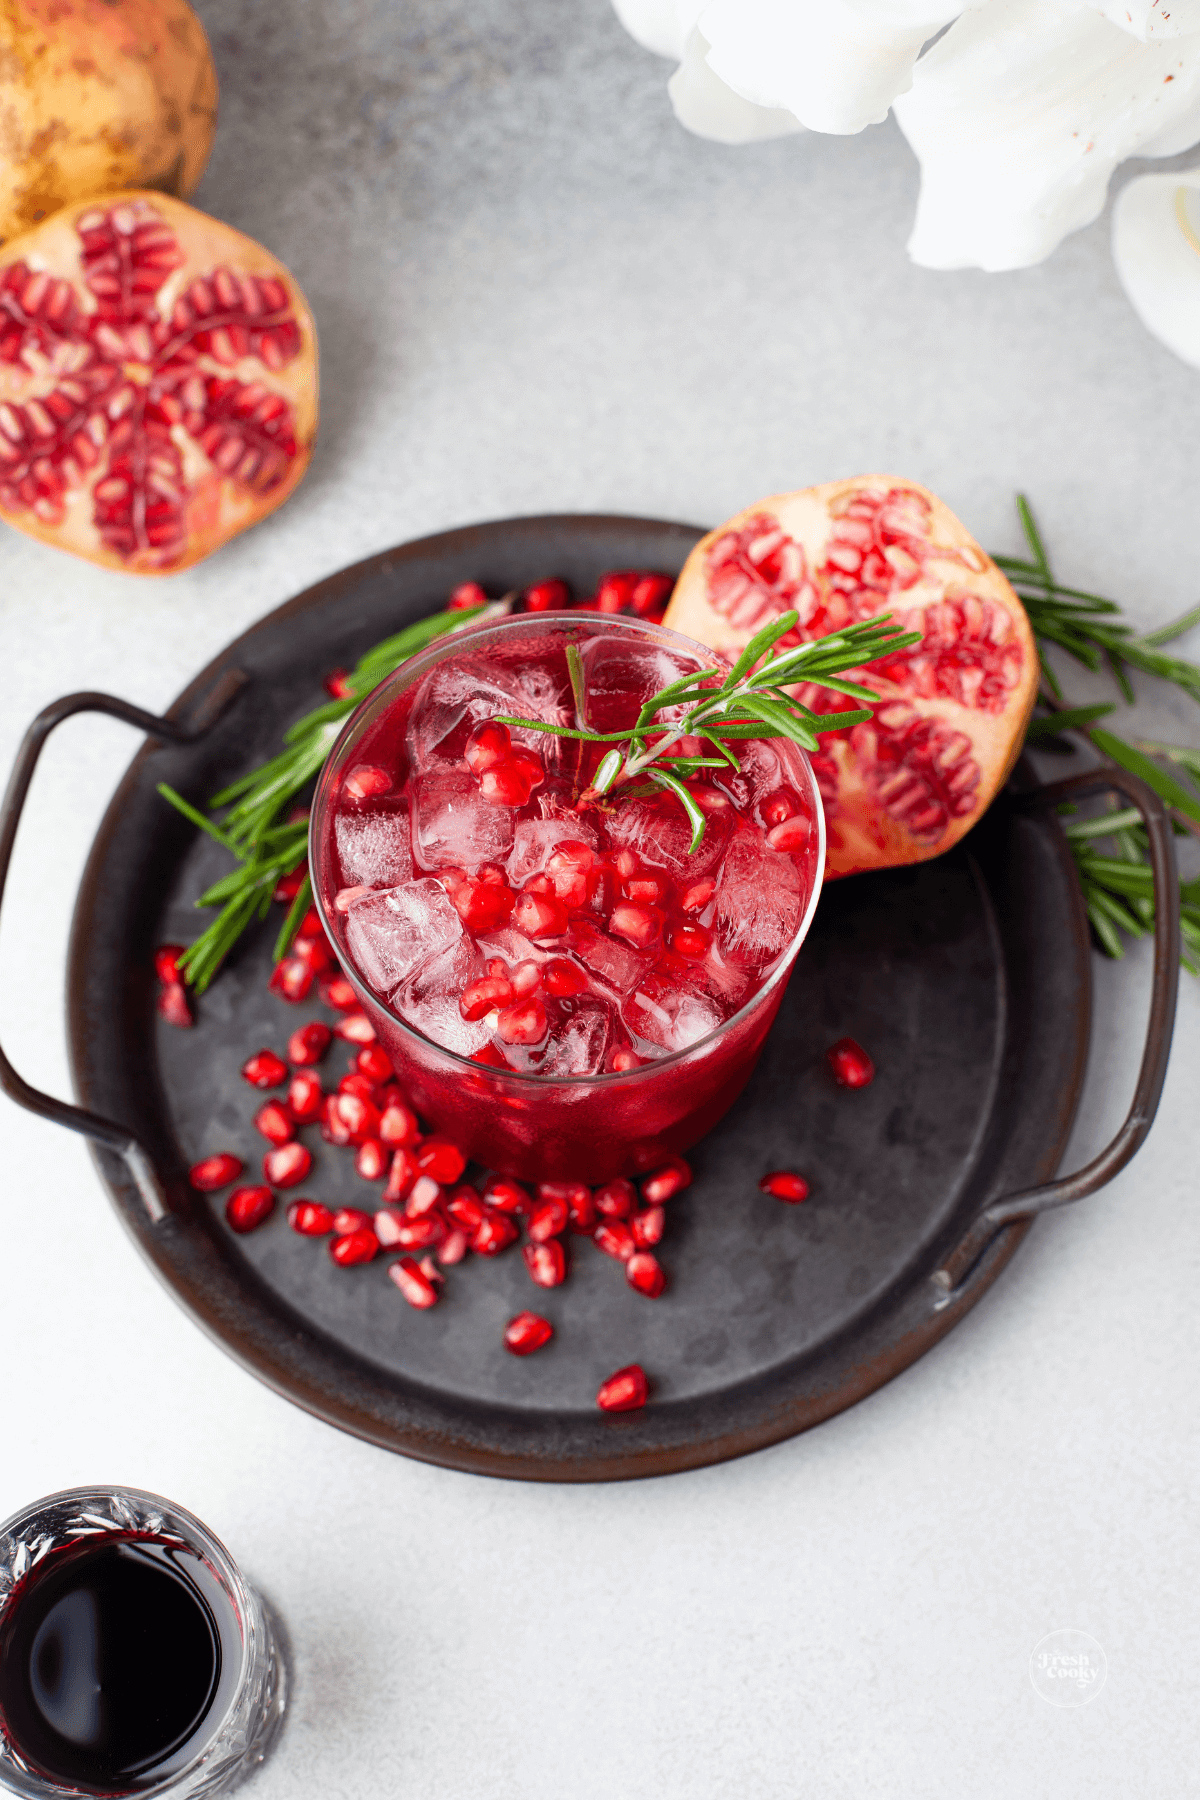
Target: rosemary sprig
x=752, y=701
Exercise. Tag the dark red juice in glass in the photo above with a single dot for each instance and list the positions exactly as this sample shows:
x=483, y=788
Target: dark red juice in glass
x=563, y=985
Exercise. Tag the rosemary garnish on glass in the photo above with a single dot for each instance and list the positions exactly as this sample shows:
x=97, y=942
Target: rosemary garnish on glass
x=751, y=701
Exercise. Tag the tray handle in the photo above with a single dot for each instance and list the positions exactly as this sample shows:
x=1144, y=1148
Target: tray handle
x=76, y=1118
x=1164, y=990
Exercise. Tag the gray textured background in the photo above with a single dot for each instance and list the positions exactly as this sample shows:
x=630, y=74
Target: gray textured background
x=535, y=292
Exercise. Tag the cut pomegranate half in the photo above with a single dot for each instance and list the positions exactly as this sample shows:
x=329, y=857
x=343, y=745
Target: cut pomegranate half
x=952, y=710
x=158, y=382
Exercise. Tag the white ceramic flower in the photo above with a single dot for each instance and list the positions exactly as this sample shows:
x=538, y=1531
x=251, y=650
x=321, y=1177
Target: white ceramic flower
x=1019, y=112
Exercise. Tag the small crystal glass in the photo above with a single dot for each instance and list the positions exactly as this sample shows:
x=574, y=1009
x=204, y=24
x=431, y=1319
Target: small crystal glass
x=244, y=1718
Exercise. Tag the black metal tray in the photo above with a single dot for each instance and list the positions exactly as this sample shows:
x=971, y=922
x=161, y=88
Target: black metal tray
x=967, y=978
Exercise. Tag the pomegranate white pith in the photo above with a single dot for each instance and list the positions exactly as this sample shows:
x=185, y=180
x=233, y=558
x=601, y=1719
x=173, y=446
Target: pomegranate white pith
x=952, y=711
x=158, y=383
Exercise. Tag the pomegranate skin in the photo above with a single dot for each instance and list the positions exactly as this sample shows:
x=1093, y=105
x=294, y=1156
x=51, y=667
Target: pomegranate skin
x=158, y=382
x=97, y=97
x=952, y=711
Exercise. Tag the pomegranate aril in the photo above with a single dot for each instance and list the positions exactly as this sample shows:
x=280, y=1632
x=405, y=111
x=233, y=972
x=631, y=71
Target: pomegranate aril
x=305, y=1098
x=546, y=1263
x=354, y=1082
x=791, y=836
x=265, y=1070
x=691, y=941
x=338, y=991
x=695, y=898
x=426, y=1193
x=173, y=1006
x=365, y=782
x=524, y=1023
x=494, y=1233
x=359, y=1118
x=287, y=1166
x=355, y=1028
x=275, y=1122
x=639, y=925
x=488, y=745
x=576, y=1196
x=347, y=1219
x=466, y=595
x=371, y=1160
x=850, y=1064
x=482, y=996
x=247, y=1207
x=421, y=1234
x=615, y=1238
x=624, y=1391
x=616, y=1199
x=539, y=915
x=645, y=1273
x=564, y=979
x=490, y=1057
x=214, y=1172
x=646, y=888
x=398, y=1124
x=508, y=1195
x=547, y=1220
x=333, y=1128
x=441, y=1159
x=310, y=927
x=785, y=1185
x=337, y=684
x=780, y=805
x=647, y=1227
x=527, y=1332
x=289, y=885
x=291, y=979
x=413, y=1283
x=483, y=905
x=465, y=1208
x=166, y=962
x=650, y=594
x=308, y=1044
x=505, y=784
x=387, y=1225
x=547, y=596
x=671, y=1178
x=453, y=1247
x=524, y=977
x=310, y=1218
x=355, y=1247
x=374, y=1062
x=402, y=1175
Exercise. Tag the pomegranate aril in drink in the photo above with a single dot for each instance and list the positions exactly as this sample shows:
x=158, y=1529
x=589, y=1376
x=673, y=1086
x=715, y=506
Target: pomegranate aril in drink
x=488, y=745
x=173, y=1005
x=850, y=1065
x=539, y=915
x=638, y=924
x=414, y=1283
x=247, y=1207
x=487, y=994
x=563, y=979
x=546, y=1263
x=275, y=1122
x=615, y=1238
x=616, y=1199
x=265, y=1070
x=647, y=1227
x=287, y=1166
x=624, y=1391
x=790, y=836
x=214, y=1172
x=310, y=1218
x=645, y=1273
x=359, y=1246
x=525, y=1022
x=784, y=1184
x=671, y=1178
x=366, y=783
x=308, y=1044
x=527, y=1332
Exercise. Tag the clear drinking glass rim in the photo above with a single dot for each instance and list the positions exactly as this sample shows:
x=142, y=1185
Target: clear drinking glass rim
x=414, y=668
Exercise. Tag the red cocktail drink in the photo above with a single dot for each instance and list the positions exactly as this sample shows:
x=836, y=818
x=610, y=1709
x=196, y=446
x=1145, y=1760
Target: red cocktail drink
x=565, y=988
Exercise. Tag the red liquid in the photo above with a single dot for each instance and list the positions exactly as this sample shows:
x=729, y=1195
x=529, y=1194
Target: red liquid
x=111, y=1659
x=550, y=936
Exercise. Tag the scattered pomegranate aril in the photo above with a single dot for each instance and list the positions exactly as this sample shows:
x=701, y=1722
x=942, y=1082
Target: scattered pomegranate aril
x=275, y=1122
x=547, y=596
x=673, y=1176
x=308, y=1044
x=539, y=915
x=247, y=1207
x=265, y=1070
x=366, y=782
x=166, y=962
x=305, y=1097
x=650, y=594
x=289, y=885
x=546, y=1263
x=173, y=1006
x=355, y=1247
x=527, y=1332
x=337, y=991
x=624, y=1391
x=337, y=684
x=398, y=1124
x=355, y=1028
x=421, y=1234
x=374, y=1062
x=413, y=1282
x=645, y=1273
x=333, y=1127
x=372, y=1160
x=358, y=1116
x=310, y=1218
x=784, y=1184
x=358, y=1084
x=615, y=1238
x=402, y=1174
x=508, y=1195
x=494, y=1233
x=431, y=1272
x=453, y=1247
x=482, y=996
x=849, y=1063
x=425, y=1195
x=547, y=1220
x=647, y=1227
x=287, y=1166
x=214, y=1172
x=523, y=1023
x=314, y=952
x=292, y=979
x=441, y=1159
x=466, y=595
x=616, y=1199
x=465, y=1208
x=489, y=745
x=387, y=1225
